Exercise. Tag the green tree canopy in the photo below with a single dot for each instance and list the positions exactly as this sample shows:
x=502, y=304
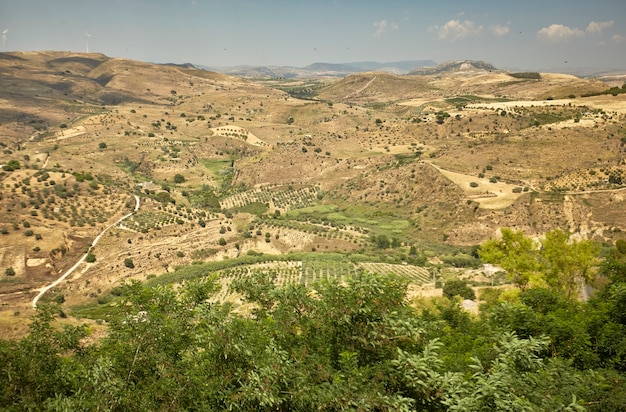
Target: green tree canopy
x=567, y=263
x=351, y=345
x=557, y=260
x=515, y=253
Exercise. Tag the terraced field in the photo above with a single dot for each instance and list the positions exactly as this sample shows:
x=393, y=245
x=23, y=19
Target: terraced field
x=415, y=274
x=310, y=271
x=604, y=178
x=157, y=217
x=284, y=200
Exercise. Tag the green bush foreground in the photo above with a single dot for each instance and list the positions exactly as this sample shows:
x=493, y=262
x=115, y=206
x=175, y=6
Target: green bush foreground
x=353, y=346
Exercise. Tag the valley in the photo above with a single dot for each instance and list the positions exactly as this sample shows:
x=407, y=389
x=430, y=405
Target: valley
x=371, y=172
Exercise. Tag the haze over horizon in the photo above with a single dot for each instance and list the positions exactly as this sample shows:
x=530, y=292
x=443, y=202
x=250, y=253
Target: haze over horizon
x=529, y=35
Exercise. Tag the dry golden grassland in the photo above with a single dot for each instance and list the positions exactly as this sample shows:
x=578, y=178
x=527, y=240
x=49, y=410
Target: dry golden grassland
x=219, y=162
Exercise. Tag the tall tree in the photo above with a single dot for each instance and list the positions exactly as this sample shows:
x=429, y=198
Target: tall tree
x=514, y=253
x=568, y=264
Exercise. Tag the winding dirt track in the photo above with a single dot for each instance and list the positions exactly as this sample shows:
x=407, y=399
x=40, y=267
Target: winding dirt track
x=77, y=264
x=361, y=89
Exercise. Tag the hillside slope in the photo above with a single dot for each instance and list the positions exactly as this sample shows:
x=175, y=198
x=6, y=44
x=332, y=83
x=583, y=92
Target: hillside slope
x=227, y=167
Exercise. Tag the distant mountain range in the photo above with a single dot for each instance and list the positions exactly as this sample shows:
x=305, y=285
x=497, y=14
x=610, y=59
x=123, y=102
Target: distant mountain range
x=411, y=67
x=321, y=69
x=454, y=66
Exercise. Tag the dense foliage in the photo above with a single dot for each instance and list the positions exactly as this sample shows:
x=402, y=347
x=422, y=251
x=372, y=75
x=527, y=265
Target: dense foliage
x=355, y=346
x=458, y=288
x=555, y=261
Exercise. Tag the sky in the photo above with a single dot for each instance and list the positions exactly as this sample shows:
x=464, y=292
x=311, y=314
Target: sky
x=521, y=34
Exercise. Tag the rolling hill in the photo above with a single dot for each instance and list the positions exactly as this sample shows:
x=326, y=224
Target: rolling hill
x=227, y=168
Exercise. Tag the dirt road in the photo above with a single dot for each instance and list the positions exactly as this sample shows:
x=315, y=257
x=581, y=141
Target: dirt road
x=80, y=261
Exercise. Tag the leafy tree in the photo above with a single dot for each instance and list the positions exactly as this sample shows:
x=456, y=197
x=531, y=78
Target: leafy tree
x=516, y=379
x=102, y=145
x=515, y=253
x=458, y=287
x=11, y=165
x=164, y=197
x=381, y=241
x=40, y=366
x=556, y=261
x=350, y=345
x=441, y=116
x=128, y=262
x=178, y=178
x=614, y=266
x=568, y=264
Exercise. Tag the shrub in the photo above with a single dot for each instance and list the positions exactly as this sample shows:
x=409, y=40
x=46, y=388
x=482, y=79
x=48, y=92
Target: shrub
x=490, y=295
x=473, y=184
x=178, y=178
x=128, y=262
x=90, y=258
x=458, y=287
x=11, y=165
x=9, y=271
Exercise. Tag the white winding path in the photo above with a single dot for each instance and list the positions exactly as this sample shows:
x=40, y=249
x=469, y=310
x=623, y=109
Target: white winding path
x=73, y=268
x=361, y=89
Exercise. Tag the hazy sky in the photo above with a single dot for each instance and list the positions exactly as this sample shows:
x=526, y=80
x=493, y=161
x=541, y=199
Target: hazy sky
x=522, y=34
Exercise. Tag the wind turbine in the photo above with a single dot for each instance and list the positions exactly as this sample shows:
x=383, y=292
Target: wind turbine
x=87, y=37
x=4, y=39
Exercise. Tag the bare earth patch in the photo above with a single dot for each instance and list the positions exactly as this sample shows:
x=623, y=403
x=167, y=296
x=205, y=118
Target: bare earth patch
x=489, y=195
x=605, y=102
x=237, y=132
x=35, y=262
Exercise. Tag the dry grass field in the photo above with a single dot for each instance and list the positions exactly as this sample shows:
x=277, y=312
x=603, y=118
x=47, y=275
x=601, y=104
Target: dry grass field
x=226, y=167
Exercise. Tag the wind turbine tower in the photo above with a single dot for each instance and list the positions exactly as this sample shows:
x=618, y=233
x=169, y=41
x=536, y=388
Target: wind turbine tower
x=87, y=37
x=4, y=39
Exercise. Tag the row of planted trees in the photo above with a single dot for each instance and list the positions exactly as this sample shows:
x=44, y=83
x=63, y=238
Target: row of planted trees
x=358, y=345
